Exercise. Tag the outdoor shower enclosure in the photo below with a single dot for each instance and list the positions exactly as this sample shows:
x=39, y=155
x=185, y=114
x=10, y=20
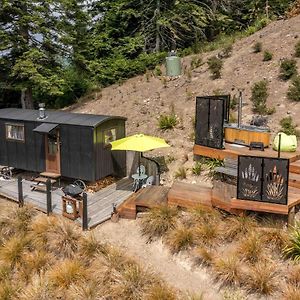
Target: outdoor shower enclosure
x=70, y=144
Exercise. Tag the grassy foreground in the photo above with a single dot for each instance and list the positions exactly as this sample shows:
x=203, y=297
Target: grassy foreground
x=44, y=258
x=260, y=258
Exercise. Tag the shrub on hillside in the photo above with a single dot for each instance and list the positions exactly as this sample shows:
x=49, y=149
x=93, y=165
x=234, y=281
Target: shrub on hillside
x=167, y=121
x=267, y=56
x=259, y=98
x=288, y=127
x=297, y=49
x=288, y=68
x=257, y=47
x=215, y=66
x=294, y=89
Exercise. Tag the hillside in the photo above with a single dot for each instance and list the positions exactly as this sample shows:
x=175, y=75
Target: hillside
x=144, y=98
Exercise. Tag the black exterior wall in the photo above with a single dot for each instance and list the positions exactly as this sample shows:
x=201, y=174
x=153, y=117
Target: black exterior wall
x=83, y=154
x=28, y=155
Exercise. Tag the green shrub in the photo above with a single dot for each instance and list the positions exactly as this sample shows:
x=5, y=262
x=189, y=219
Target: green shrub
x=292, y=249
x=259, y=98
x=167, y=121
x=157, y=71
x=257, y=47
x=294, y=89
x=196, y=62
x=297, y=49
x=215, y=66
x=198, y=168
x=288, y=127
x=267, y=56
x=288, y=68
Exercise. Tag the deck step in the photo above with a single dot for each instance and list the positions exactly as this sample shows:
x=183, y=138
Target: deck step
x=294, y=180
x=295, y=167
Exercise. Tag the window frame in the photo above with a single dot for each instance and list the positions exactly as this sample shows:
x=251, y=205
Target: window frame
x=22, y=125
x=106, y=145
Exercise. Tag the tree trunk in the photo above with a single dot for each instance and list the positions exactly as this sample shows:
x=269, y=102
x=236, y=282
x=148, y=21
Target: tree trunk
x=157, y=13
x=26, y=98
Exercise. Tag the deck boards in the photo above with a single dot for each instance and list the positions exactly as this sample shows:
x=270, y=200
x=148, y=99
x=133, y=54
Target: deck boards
x=189, y=195
x=232, y=151
x=100, y=204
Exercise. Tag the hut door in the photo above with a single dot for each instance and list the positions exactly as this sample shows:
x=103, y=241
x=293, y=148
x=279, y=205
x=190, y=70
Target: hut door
x=53, y=152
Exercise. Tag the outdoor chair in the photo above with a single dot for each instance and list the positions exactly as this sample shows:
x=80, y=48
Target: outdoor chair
x=148, y=182
x=141, y=169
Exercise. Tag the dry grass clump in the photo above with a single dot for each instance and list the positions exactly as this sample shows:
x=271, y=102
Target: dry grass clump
x=203, y=256
x=275, y=238
x=235, y=227
x=160, y=292
x=159, y=221
x=228, y=269
x=291, y=293
x=13, y=249
x=67, y=272
x=262, y=278
x=64, y=239
x=294, y=276
x=250, y=248
x=292, y=249
x=51, y=259
x=207, y=232
x=180, y=238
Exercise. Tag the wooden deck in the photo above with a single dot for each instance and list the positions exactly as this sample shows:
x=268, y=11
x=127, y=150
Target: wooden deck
x=232, y=151
x=100, y=204
x=189, y=195
x=149, y=197
x=293, y=200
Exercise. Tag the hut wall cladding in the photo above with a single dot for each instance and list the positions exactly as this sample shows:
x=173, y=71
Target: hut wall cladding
x=109, y=162
x=28, y=155
x=77, y=159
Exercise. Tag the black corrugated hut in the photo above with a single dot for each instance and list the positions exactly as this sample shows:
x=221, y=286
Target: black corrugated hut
x=71, y=144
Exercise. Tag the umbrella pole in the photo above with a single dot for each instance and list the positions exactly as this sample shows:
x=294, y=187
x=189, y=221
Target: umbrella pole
x=139, y=164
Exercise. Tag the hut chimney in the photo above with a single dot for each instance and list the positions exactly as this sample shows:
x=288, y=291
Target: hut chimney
x=42, y=111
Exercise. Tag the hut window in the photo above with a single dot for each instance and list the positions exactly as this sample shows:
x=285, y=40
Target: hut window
x=15, y=132
x=110, y=135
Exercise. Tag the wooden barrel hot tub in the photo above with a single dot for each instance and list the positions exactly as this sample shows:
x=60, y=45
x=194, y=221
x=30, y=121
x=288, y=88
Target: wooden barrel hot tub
x=245, y=134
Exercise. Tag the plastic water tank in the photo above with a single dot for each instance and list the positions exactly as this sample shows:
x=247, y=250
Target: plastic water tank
x=173, y=64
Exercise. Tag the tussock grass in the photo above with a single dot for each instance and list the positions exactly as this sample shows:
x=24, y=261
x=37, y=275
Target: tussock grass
x=207, y=232
x=67, y=272
x=262, y=278
x=275, y=238
x=11, y=253
x=294, y=276
x=236, y=227
x=291, y=293
x=251, y=248
x=89, y=247
x=8, y=290
x=64, y=239
x=89, y=290
x=180, y=238
x=203, y=256
x=228, y=270
x=160, y=292
x=159, y=221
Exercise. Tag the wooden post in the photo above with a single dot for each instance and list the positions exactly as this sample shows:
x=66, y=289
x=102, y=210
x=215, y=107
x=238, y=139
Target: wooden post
x=49, y=200
x=20, y=192
x=84, y=212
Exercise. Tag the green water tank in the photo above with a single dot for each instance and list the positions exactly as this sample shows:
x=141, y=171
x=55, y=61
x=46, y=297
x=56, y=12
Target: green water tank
x=173, y=64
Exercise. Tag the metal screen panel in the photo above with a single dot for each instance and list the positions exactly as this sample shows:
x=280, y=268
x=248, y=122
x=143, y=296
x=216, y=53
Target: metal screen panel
x=209, y=122
x=275, y=183
x=249, y=185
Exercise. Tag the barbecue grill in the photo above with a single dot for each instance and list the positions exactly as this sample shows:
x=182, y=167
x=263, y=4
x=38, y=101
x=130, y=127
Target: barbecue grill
x=72, y=190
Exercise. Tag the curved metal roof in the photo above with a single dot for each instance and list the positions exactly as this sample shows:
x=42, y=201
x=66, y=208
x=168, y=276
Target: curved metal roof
x=56, y=116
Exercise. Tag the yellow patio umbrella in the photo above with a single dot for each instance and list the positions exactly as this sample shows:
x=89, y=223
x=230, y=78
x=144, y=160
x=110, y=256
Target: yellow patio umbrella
x=139, y=143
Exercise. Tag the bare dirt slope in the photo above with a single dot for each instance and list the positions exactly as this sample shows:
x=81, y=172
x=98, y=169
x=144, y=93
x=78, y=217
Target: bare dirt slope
x=177, y=271
x=143, y=100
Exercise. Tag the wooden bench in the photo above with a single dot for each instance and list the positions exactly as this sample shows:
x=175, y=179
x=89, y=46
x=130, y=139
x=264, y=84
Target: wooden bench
x=40, y=184
x=230, y=167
